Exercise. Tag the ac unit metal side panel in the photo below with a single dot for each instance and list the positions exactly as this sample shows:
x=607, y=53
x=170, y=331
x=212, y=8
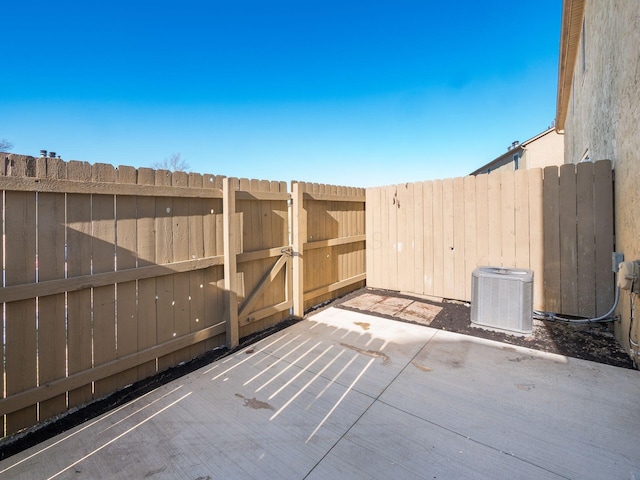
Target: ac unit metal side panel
x=502, y=298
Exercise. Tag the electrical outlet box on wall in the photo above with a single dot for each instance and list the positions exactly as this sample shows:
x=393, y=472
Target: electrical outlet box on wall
x=629, y=276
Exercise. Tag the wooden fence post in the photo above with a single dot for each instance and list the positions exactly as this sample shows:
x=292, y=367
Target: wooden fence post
x=229, y=187
x=299, y=215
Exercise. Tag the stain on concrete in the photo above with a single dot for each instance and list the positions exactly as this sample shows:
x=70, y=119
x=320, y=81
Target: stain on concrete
x=455, y=363
x=370, y=353
x=419, y=366
x=255, y=403
x=522, y=359
x=525, y=386
x=153, y=472
x=457, y=358
x=364, y=325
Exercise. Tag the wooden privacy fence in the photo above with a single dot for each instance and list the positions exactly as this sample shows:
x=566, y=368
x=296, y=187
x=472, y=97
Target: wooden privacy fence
x=112, y=275
x=427, y=238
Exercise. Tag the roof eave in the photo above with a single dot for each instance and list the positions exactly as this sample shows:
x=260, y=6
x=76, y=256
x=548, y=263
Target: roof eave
x=572, y=15
x=540, y=135
x=498, y=161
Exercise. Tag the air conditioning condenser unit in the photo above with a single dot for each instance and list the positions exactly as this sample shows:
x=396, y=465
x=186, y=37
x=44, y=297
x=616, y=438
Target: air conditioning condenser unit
x=502, y=299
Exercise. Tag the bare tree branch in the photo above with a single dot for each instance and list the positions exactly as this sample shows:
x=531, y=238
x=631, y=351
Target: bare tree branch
x=5, y=145
x=173, y=162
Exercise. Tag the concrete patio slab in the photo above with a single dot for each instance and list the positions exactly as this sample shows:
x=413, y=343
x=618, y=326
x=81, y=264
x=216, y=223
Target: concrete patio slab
x=343, y=394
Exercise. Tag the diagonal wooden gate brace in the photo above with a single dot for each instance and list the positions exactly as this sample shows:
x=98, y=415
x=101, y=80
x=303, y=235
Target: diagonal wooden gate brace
x=262, y=286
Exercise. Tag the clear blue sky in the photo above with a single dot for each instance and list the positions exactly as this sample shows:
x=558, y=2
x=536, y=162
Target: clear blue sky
x=349, y=93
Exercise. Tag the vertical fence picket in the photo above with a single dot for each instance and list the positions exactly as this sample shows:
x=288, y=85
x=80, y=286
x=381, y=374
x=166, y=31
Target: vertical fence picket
x=328, y=225
x=585, y=246
x=146, y=256
x=459, y=244
x=299, y=234
x=276, y=292
x=419, y=245
x=265, y=212
x=316, y=232
x=385, y=248
x=448, y=246
x=339, y=253
x=536, y=236
x=103, y=260
x=212, y=285
x=522, y=236
x=79, y=324
x=280, y=228
x=470, y=232
x=551, y=228
x=20, y=316
x=343, y=230
x=494, y=214
x=217, y=273
x=438, y=239
x=507, y=220
x=126, y=258
x=392, y=208
x=361, y=230
x=181, y=281
x=404, y=232
x=52, y=335
x=230, y=260
x=482, y=220
x=568, y=253
x=604, y=229
x=321, y=212
x=164, y=254
x=347, y=251
x=246, y=211
x=196, y=215
x=373, y=235
x=428, y=223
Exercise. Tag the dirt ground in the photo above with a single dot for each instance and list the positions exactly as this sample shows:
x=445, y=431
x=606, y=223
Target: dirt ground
x=596, y=342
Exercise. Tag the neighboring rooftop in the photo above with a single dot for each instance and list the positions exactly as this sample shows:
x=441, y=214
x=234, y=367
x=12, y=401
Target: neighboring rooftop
x=541, y=150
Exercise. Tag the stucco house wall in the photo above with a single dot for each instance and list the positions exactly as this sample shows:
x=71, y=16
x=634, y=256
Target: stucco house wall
x=507, y=167
x=602, y=109
x=544, y=151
